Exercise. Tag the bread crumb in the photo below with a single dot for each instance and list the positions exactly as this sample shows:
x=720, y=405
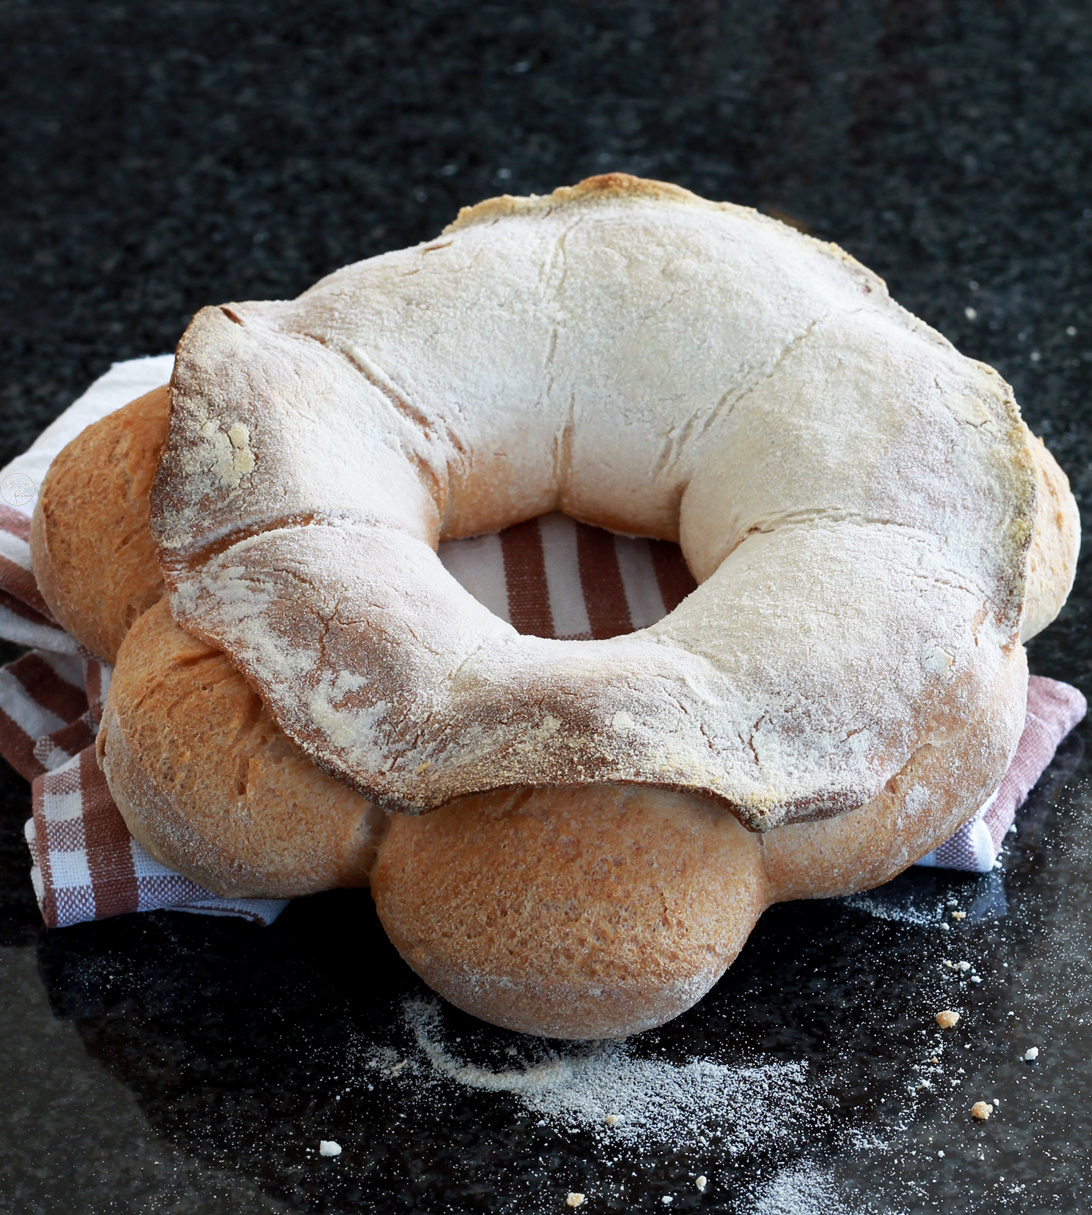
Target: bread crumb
x=701, y=1183
x=613, y=1119
x=327, y=1147
x=959, y=915
x=981, y=1110
x=574, y=1200
x=947, y=1018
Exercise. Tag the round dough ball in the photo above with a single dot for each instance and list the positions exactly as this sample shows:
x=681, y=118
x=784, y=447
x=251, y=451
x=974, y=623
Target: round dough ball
x=90, y=543
x=210, y=785
x=571, y=913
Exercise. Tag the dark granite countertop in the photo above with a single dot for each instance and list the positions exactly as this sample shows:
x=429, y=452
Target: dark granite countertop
x=157, y=158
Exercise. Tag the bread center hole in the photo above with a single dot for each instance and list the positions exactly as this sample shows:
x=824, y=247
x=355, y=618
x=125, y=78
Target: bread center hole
x=555, y=577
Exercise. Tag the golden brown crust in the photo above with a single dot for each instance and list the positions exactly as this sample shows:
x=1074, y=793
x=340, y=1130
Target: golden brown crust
x=209, y=784
x=1052, y=558
x=605, y=186
x=90, y=543
x=589, y=913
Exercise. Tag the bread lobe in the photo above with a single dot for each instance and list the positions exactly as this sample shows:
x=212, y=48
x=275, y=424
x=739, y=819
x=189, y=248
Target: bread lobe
x=90, y=544
x=1052, y=558
x=211, y=787
x=588, y=913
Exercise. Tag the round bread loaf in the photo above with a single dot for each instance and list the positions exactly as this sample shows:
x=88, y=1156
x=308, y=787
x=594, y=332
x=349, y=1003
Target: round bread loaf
x=578, y=907
x=575, y=913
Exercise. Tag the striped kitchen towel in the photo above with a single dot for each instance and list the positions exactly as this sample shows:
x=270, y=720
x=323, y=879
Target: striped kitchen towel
x=550, y=576
x=85, y=864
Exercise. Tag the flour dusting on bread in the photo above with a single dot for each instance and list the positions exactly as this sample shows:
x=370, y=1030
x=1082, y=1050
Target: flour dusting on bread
x=856, y=498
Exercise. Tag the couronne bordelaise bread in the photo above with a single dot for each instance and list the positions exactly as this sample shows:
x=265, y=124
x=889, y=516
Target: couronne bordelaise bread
x=570, y=838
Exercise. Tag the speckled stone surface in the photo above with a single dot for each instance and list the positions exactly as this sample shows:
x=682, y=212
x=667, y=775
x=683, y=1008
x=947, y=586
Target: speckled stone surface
x=161, y=157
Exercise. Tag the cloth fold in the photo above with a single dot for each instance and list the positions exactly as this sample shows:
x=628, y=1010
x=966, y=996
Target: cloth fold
x=550, y=576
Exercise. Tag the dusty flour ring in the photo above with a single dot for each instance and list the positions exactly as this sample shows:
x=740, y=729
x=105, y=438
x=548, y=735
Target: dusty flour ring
x=423, y=1018
x=606, y=1088
x=321, y=448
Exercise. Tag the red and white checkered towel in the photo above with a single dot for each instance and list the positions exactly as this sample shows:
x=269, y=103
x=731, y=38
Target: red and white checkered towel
x=550, y=576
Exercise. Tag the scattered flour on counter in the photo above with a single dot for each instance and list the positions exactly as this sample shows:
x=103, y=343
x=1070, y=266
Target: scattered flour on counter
x=619, y=1097
x=805, y=1189
x=875, y=904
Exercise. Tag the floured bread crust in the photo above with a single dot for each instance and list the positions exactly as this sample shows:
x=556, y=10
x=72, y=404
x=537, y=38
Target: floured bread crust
x=855, y=497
